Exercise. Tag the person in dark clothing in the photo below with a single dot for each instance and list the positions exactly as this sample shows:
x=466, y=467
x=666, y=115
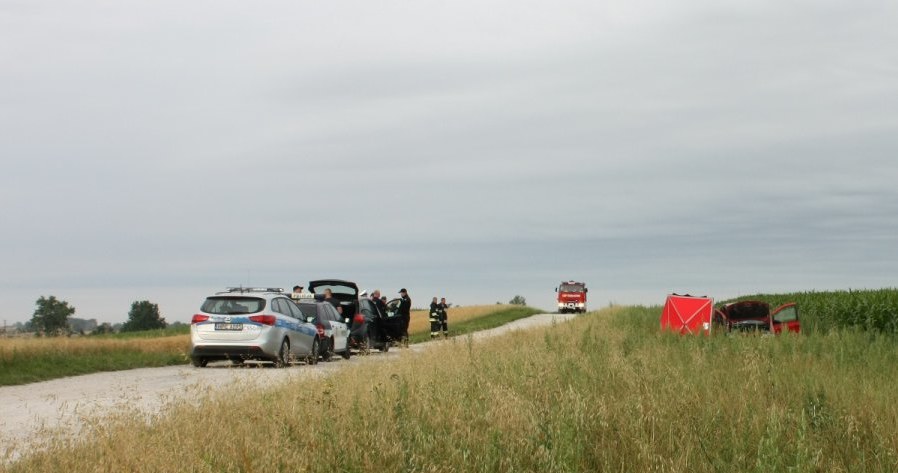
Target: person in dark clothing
x=329, y=297
x=434, y=318
x=404, y=310
x=444, y=317
x=380, y=303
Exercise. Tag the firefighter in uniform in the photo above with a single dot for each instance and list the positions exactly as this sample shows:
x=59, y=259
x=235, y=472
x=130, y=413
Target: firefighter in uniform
x=405, y=312
x=444, y=317
x=435, y=319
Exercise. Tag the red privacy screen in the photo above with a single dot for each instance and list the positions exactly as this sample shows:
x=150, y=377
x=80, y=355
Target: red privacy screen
x=687, y=314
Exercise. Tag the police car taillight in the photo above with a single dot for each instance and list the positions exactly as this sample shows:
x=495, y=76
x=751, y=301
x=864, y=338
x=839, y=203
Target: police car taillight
x=263, y=319
x=197, y=318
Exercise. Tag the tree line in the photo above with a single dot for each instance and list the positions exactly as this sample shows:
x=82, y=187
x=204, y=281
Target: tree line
x=51, y=317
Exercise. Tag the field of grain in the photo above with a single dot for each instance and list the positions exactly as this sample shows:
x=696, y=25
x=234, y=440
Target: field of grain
x=606, y=392
x=420, y=319
x=26, y=360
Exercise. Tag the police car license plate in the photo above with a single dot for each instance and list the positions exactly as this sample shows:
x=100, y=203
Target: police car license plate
x=228, y=326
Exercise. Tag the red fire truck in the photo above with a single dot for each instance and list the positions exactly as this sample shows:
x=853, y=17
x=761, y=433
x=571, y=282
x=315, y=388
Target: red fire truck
x=571, y=297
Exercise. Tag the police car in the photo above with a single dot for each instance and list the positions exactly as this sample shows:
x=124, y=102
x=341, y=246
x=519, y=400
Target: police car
x=261, y=324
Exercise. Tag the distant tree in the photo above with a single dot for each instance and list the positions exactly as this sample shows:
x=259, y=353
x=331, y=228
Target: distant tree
x=144, y=315
x=52, y=315
x=103, y=328
x=518, y=300
x=178, y=324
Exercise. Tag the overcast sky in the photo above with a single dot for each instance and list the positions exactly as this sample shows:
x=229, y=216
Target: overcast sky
x=473, y=150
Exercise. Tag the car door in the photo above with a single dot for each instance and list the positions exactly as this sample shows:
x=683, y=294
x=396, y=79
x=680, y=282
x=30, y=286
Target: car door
x=785, y=318
x=303, y=332
x=393, y=325
x=279, y=308
x=324, y=319
x=341, y=332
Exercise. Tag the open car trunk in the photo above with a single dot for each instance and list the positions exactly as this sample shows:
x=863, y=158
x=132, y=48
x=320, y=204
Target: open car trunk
x=346, y=292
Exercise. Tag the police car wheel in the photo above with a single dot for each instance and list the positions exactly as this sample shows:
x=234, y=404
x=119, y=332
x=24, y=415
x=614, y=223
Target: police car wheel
x=283, y=356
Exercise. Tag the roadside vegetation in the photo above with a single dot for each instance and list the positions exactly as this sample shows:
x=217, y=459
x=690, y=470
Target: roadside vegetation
x=466, y=320
x=170, y=331
x=28, y=360
x=606, y=392
x=869, y=309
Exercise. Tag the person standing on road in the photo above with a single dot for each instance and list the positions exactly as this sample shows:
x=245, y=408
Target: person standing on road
x=434, y=319
x=444, y=317
x=404, y=310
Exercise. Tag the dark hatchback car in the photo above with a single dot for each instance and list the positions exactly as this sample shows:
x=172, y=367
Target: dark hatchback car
x=756, y=316
x=370, y=327
x=373, y=327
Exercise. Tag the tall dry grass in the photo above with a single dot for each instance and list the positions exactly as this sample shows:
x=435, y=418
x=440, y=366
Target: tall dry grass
x=606, y=392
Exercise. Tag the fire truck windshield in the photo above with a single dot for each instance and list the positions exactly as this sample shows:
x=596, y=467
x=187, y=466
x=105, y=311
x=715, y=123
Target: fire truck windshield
x=571, y=288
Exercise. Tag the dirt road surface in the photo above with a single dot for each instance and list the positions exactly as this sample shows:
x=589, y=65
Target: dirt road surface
x=28, y=413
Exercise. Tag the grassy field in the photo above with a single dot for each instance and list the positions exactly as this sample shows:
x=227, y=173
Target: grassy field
x=163, y=332
x=606, y=392
x=871, y=310
x=27, y=360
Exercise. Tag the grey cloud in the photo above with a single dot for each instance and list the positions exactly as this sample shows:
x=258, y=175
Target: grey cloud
x=473, y=150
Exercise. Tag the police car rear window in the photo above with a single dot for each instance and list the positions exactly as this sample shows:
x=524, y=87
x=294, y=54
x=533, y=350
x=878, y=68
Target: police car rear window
x=226, y=305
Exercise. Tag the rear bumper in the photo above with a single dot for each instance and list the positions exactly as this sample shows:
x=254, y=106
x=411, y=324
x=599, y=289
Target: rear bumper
x=223, y=352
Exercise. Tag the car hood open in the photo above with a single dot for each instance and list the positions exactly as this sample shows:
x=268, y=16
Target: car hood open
x=747, y=310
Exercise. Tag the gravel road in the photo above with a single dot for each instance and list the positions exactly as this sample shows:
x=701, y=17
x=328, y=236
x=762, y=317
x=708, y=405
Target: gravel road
x=29, y=412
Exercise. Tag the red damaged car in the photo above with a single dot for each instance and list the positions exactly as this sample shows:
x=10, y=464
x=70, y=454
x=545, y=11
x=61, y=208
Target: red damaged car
x=756, y=316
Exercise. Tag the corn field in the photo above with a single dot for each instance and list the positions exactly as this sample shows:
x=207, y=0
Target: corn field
x=873, y=310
